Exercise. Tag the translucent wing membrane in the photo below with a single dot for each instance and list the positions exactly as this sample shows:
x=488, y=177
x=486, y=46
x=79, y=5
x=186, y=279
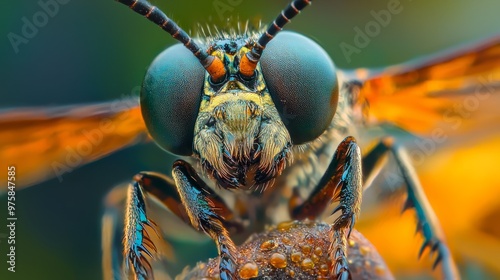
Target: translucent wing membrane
x=451, y=100
x=43, y=143
x=455, y=91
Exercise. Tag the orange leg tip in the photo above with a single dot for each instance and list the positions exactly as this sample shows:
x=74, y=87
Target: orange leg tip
x=388, y=141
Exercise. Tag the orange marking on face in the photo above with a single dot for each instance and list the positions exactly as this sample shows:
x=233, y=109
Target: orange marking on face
x=247, y=67
x=216, y=69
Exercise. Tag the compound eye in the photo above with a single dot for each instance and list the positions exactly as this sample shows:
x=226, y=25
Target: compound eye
x=170, y=98
x=302, y=82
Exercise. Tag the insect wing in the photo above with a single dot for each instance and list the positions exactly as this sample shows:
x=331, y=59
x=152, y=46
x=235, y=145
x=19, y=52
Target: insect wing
x=43, y=143
x=454, y=90
x=451, y=101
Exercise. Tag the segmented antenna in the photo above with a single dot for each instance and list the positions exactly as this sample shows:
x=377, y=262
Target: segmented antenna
x=249, y=61
x=212, y=64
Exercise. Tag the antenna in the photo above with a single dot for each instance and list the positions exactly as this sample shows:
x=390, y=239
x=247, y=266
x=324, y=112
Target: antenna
x=249, y=61
x=212, y=64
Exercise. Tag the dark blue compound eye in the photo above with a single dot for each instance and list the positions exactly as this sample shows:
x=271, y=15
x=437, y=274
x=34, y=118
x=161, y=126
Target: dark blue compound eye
x=302, y=81
x=170, y=98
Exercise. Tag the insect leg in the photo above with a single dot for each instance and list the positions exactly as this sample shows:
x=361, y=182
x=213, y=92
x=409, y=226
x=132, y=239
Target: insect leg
x=111, y=233
x=427, y=222
x=141, y=236
x=139, y=248
x=117, y=243
x=205, y=214
x=164, y=189
x=341, y=182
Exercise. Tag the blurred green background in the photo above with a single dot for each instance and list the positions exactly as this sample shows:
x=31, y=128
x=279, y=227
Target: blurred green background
x=93, y=51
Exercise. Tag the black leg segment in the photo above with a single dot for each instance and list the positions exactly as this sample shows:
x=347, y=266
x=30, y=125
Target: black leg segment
x=427, y=222
x=205, y=215
x=342, y=182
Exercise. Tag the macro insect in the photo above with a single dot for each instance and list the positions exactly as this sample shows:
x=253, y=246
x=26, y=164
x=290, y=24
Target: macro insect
x=249, y=154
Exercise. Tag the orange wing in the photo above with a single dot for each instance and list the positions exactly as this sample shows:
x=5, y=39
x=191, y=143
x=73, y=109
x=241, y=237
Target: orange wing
x=455, y=95
x=43, y=143
x=454, y=91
